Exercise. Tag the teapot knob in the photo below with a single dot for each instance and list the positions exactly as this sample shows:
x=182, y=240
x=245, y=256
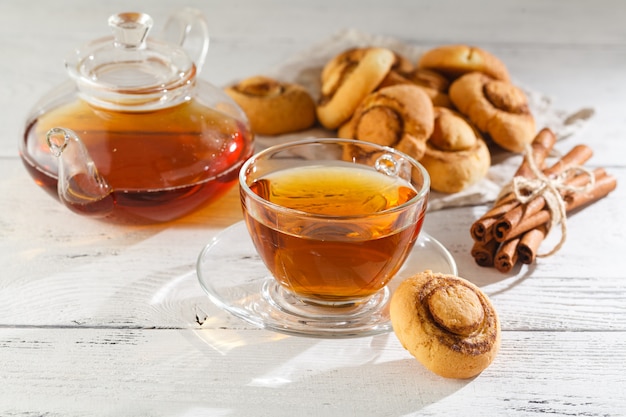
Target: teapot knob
x=130, y=29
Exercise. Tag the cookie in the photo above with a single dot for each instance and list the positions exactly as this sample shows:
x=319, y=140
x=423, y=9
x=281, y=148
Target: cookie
x=456, y=60
x=347, y=79
x=447, y=323
x=456, y=155
x=497, y=108
x=274, y=107
x=400, y=116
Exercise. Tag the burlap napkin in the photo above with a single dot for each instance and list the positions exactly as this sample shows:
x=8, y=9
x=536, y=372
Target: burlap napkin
x=304, y=69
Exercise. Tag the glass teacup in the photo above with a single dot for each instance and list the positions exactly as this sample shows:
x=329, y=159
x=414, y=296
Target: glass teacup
x=332, y=219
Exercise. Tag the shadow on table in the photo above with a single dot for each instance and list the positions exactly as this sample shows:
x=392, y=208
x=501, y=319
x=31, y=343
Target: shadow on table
x=305, y=376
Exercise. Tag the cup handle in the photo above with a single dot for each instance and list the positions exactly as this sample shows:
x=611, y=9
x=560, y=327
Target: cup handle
x=189, y=29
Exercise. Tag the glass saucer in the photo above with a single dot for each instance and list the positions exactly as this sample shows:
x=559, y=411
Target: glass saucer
x=235, y=278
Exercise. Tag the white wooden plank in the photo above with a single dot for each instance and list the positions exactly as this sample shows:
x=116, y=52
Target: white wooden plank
x=544, y=22
x=98, y=372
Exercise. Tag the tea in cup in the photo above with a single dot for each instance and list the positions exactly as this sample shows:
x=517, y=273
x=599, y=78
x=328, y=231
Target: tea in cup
x=333, y=219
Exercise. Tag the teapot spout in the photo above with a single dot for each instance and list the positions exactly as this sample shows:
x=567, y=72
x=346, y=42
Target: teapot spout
x=80, y=186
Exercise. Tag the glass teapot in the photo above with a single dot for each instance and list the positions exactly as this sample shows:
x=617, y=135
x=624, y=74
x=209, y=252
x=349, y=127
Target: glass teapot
x=135, y=133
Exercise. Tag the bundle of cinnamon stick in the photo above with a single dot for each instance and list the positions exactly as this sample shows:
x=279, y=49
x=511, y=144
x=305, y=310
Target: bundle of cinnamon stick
x=512, y=231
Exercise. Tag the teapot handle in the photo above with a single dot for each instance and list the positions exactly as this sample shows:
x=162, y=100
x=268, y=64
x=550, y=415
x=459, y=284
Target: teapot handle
x=189, y=29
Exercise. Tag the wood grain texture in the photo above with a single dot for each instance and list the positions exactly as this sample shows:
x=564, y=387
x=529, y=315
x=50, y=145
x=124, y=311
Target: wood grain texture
x=219, y=372
x=98, y=319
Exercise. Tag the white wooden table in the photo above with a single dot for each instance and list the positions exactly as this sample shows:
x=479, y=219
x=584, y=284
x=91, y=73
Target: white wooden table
x=100, y=319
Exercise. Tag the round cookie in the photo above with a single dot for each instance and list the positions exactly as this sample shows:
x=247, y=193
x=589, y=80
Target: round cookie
x=456, y=156
x=447, y=323
x=497, y=108
x=400, y=116
x=347, y=79
x=456, y=60
x=274, y=107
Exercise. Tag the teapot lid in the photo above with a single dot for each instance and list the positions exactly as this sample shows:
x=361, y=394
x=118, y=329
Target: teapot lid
x=129, y=64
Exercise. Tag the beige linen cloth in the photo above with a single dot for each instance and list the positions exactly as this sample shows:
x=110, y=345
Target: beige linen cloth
x=305, y=68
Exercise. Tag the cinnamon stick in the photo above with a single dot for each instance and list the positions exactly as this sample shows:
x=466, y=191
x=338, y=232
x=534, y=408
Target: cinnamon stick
x=578, y=155
x=484, y=252
x=482, y=229
x=542, y=144
x=506, y=256
x=602, y=187
x=527, y=223
x=523, y=242
x=582, y=180
x=512, y=232
x=513, y=217
x=541, y=147
x=529, y=244
x=531, y=240
x=504, y=205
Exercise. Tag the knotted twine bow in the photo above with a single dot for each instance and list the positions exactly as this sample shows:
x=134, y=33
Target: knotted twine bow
x=551, y=189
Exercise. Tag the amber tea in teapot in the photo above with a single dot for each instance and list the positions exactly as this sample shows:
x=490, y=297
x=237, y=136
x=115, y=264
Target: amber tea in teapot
x=135, y=135
x=183, y=172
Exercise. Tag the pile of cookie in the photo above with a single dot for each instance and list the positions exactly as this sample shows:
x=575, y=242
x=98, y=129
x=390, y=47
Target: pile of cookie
x=438, y=110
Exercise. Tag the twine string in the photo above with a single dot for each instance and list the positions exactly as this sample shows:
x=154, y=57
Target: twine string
x=552, y=190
